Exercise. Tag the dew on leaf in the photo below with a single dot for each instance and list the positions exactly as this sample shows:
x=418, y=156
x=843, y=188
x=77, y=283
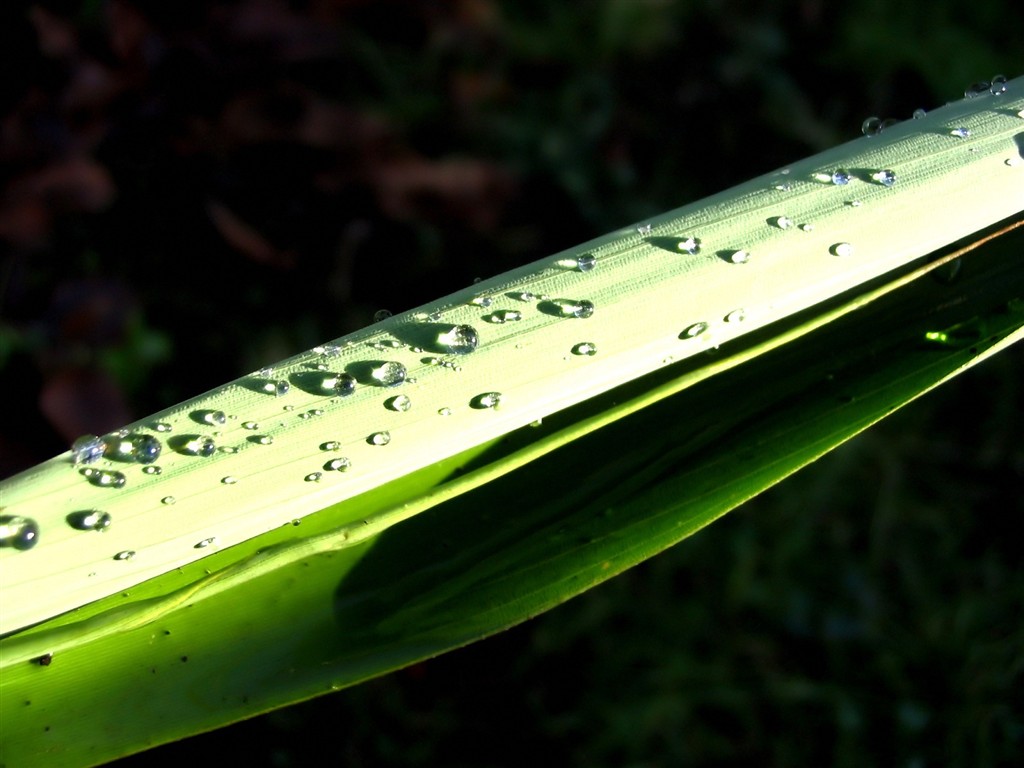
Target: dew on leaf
x=960, y=132
x=458, y=339
x=87, y=449
x=504, y=316
x=693, y=330
x=89, y=520
x=313, y=477
x=18, y=532
x=689, y=245
x=168, y=500
x=400, y=403
x=586, y=348
x=736, y=316
x=388, y=374
x=379, y=438
x=586, y=262
x=104, y=478
x=872, y=126
x=125, y=554
x=330, y=445
x=338, y=465
x=486, y=400
x=977, y=89
x=381, y=314
x=998, y=85
x=841, y=249
x=840, y=177
x=204, y=543
x=884, y=177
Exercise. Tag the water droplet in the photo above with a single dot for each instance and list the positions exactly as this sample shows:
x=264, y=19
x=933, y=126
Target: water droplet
x=689, y=245
x=782, y=222
x=644, y=229
x=125, y=554
x=977, y=89
x=806, y=227
x=919, y=113
x=168, y=500
x=959, y=336
x=569, y=308
x=146, y=449
x=841, y=249
x=313, y=477
x=381, y=314
x=998, y=86
x=481, y=301
x=388, y=374
x=872, y=126
x=330, y=445
x=229, y=480
x=87, y=449
x=262, y=439
x=504, y=316
x=338, y=465
x=277, y=388
x=103, y=478
x=736, y=316
x=737, y=257
x=206, y=542
x=379, y=438
x=18, y=532
x=586, y=262
x=250, y=425
x=486, y=400
x=213, y=418
x=960, y=133
x=89, y=520
x=1012, y=161
x=152, y=469
x=444, y=411
x=840, y=177
x=522, y=296
x=458, y=340
x=854, y=203
x=694, y=330
x=400, y=403
x=162, y=426
x=886, y=177
x=784, y=187
x=328, y=350
x=585, y=348
x=199, y=445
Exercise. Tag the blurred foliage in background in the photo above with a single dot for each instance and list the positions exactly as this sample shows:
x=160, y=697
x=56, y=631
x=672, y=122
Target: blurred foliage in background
x=194, y=189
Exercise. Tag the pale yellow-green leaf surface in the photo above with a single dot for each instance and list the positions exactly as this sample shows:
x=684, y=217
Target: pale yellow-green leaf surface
x=635, y=299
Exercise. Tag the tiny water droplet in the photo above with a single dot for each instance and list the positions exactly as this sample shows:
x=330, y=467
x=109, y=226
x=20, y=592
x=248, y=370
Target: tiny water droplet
x=689, y=245
x=782, y=222
x=444, y=411
x=736, y=316
x=379, y=438
x=400, y=403
x=960, y=133
x=694, y=330
x=805, y=227
x=328, y=350
x=168, y=500
x=388, y=374
x=840, y=177
x=18, y=532
x=644, y=229
x=854, y=203
x=783, y=187
x=125, y=554
x=459, y=339
x=313, y=477
x=522, y=296
x=104, y=478
x=977, y=89
x=229, y=480
x=585, y=348
x=266, y=372
x=263, y=440
x=737, y=257
x=504, y=316
x=998, y=86
x=87, y=449
x=330, y=445
x=152, y=469
x=586, y=262
x=872, y=126
x=250, y=425
x=206, y=542
x=481, y=301
x=338, y=465
x=89, y=520
x=381, y=314
x=486, y=400
x=162, y=426
x=841, y=249
x=885, y=177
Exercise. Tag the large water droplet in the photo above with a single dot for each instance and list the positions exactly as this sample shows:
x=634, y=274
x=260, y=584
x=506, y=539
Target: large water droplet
x=586, y=262
x=694, y=330
x=146, y=449
x=103, y=478
x=458, y=340
x=87, y=449
x=504, y=316
x=841, y=249
x=89, y=520
x=871, y=126
x=198, y=445
x=885, y=177
x=840, y=177
x=338, y=465
x=998, y=85
x=340, y=384
x=379, y=438
x=388, y=374
x=919, y=113
x=400, y=403
x=586, y=348
x=486, y=400
x=18, y=532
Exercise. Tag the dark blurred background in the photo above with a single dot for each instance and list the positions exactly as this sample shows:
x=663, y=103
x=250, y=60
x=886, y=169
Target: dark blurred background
x=192, y=190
